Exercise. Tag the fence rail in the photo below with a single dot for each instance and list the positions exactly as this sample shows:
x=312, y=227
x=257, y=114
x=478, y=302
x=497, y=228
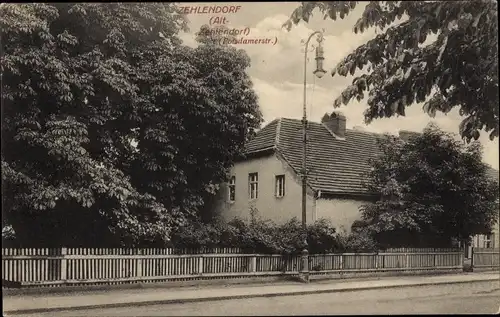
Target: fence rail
x=486, y=258
x=116, y=251
x=64, y=266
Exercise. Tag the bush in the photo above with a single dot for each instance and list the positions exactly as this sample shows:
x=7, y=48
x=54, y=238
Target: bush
x=322, y=238
x=357, y=241
x=8, y=233
x=9, y=237
x=259, y=236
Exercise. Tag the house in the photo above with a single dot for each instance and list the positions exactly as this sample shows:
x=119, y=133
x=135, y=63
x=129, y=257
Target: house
x=268, y=179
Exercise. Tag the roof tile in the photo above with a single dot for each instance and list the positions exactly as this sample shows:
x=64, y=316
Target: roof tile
x=334, y=166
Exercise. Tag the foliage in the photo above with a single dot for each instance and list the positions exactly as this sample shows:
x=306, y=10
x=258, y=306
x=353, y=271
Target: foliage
x=355, y=242
x=459, y=69
x=432, y=188
x=113, y=132
x=261, y=236
x=322, y=237
x=359, y=240
x=8, y=233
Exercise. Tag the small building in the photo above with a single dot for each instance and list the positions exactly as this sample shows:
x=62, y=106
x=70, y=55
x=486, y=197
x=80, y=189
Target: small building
x=268, y=180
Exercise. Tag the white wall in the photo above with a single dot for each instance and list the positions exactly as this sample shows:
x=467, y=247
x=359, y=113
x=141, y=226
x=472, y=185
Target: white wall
x=341, y=212
x=270, y=207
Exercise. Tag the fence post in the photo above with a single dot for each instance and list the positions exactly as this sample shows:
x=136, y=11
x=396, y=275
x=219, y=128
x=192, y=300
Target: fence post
x=64, y=264
x=376, y=261
x=341, y=262
x=472, y=258
x=407, y=260
x=200, y=265
x=139, y=264
x=462, y=258
x=435, y=264
x=253, y=264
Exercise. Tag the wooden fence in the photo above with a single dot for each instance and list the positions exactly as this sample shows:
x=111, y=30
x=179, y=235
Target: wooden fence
x=486, y=258
x=32, y=267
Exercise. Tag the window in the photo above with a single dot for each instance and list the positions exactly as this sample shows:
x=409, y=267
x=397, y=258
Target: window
x=232, y=189
x=253, y=185
x=487, y=241
x=280, y=185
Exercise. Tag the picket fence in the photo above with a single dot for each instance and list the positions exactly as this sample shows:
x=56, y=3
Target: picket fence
x=486, y=258
x=43, y=267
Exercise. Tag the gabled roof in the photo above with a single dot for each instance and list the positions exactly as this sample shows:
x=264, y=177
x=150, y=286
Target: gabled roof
x=334, y=166
x=264, y=139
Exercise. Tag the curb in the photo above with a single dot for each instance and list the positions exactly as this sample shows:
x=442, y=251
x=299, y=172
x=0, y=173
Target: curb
x=229, y=297
x=82, y=289
x=267, y=280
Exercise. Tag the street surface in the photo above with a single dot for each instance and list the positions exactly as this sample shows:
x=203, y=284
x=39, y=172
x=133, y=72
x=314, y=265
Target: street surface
x=465, y=298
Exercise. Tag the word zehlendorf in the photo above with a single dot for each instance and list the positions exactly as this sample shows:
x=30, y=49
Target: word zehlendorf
x=210, y=9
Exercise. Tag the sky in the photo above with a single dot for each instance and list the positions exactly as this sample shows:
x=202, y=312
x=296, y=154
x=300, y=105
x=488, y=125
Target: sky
x=277, y=70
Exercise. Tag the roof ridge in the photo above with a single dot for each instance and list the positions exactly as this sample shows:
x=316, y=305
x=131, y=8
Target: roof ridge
x=321, y=124
x=270, y=122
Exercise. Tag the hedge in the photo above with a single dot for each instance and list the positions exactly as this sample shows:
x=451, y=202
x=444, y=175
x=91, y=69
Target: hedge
x=264, y=236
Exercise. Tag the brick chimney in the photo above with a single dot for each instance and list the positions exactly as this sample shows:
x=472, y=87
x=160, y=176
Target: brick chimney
x=335, y=123
x=405, y=135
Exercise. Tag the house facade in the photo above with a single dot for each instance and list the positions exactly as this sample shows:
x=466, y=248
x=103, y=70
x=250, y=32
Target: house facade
x=267, y=182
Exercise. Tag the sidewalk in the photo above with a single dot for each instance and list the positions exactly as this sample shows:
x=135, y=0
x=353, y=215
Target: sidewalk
x=44, y=303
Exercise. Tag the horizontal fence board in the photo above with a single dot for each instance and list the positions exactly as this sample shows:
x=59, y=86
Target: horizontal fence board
x=71, y=266
x=421, y=250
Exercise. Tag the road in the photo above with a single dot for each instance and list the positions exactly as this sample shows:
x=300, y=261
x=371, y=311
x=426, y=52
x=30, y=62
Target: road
x=466, y=298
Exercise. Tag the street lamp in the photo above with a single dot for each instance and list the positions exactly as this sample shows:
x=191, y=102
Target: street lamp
x=319, y=72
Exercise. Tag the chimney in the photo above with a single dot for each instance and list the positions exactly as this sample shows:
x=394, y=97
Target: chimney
x=405, y=135
x=335, y=123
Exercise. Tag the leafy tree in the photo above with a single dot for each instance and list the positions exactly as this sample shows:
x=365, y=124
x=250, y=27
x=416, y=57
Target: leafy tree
x=357, y=241
x=459, y=69
x=201, y=112
x=113, y=132
x=433, y=189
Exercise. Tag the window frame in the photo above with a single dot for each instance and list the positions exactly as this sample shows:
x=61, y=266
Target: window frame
x=253, y=186
x=487, y=241
x=279, y=191
x=231, y=189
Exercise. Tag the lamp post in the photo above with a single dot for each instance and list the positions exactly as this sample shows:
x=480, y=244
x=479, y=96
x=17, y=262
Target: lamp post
x=319, y=72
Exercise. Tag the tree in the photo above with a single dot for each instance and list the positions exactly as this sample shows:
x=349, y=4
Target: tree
x=459, y=69
x=113, y=132
x=433, y=189
x=202, y=111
